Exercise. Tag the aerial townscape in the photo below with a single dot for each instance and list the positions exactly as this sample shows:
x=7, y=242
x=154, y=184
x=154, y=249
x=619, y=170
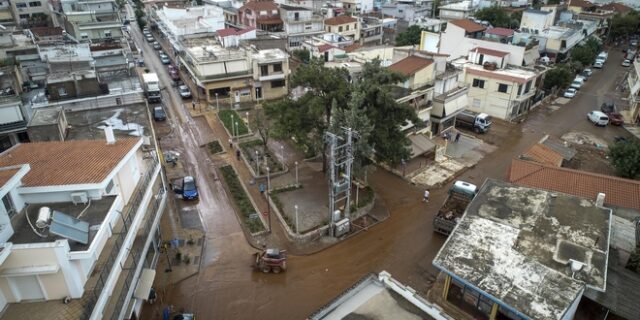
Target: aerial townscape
x=320, y=159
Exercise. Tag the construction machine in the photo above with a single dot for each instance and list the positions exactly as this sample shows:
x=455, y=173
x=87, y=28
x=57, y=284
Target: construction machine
x=270, y=260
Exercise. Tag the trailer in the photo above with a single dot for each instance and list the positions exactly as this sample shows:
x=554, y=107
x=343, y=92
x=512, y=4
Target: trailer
x=459, y=197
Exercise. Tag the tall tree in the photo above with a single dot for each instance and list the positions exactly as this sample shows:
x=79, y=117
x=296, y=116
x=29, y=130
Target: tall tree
x=559, y=77
x=355, y=118
x=495, y=15
x=373, y=94
x=409, y=37
x=625, y=157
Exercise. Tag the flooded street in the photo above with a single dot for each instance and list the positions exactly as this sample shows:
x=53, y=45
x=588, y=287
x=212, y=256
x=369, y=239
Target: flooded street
x=404, y=244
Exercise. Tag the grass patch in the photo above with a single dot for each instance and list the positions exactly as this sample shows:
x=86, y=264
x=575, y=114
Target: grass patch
x=241, y=199
x=214, y=147
x=225, y=117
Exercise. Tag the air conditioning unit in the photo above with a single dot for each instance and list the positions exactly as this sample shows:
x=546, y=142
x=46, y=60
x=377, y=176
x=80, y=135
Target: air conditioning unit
x=79, y=197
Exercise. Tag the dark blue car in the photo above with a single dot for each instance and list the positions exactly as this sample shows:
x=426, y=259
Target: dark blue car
x=189, y=188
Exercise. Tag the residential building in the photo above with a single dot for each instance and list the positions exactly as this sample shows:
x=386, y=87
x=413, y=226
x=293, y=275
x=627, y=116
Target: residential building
x=14, y=115
x=262, y=15
x=346, y=26
x=357, y=6
x=579, y=6
x=535, y=253
x=377, y=297
x=432, y=25
x=299, y=24
x=558, y=41
x=502, y=91
x=31, y=13
x=327, y=50
x=6, y=14
x=80, y=225
x=504, y=3
x=616, y=7
x=371, y=31
x=536, y=21
x=456, y=10
x=93, y=21
x=406, y=12
x=176, y=23
x=234, y=75
x=633, y=81
x=461, y=36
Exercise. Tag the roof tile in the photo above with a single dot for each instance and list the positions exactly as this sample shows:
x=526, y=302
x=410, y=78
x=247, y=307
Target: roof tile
x=468, y=25
x=543, y=154
x=410, y=65
x=67, y=162
x=340, y=20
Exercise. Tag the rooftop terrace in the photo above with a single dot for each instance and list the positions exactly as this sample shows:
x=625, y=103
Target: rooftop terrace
x=204, y=49
x=516, y=244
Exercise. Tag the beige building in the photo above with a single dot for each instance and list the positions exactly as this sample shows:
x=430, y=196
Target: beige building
x=95, y=21
x=346, y=26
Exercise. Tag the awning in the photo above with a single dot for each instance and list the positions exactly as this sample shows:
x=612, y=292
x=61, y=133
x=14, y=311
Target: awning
x=531, y=56
x=144, y=284
x=420, y=145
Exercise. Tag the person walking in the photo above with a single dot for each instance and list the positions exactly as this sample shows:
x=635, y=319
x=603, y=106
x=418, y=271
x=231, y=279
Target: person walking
x=425, y=198
x=457, y=137
x=193, y=103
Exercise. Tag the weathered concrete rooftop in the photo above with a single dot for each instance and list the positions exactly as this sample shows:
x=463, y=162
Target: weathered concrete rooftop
x=516, y=243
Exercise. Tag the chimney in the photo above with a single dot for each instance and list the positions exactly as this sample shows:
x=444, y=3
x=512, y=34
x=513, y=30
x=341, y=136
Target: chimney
x=600, y=200
x=108, y=133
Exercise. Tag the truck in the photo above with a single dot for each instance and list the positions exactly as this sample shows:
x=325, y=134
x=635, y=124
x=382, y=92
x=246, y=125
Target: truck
x=478, y=122
x=151, y=87
x=460, y=195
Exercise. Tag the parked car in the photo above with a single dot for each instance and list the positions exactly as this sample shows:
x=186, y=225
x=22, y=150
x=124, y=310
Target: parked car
x=570, y=93
x=184, y=91
x=165, y=59
x=634, y=43
x=156, y=45
x=598, y=118
x=577, y=83
x=615, y=118
x=626, y=63
x=159, y=114
x=150, y=38
x=598, y=64
x=189, y=188
x=174, y=74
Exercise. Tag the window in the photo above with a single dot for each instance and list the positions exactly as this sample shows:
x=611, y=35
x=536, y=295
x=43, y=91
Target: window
x=107, y=34
x=296, y=16
x=84, y=36
x=519, y=89
x=503, y=87
x=8, y=205
x=527, y=88
x=340, y=29
x=221, y=92
x=245, y=92
x=355, y=26
x=277, y=67
x=35, y=4
x=62, y=92
x=277, y=84
x=24, y=16
x=263, y=13
x=477, y=83
x=264, y=70
x=21, y=5
x=274, y=11
x=347, y=28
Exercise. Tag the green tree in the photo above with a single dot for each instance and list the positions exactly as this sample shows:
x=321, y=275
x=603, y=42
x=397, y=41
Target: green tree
x=586, y=53
x=355, y=118
x=409, y=37
x=302, y=54
x=373, y=94
x=559, y=77
x=624, y=26
x=625, y=157
x=495, y=15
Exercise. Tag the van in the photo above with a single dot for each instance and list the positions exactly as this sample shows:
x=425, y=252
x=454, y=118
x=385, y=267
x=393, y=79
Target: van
x=603, y=56
x=577, y=83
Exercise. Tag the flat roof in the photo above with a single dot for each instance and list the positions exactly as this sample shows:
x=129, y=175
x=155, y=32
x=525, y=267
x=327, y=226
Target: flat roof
x=515, y=244
x=45, y=116
x=94, y=215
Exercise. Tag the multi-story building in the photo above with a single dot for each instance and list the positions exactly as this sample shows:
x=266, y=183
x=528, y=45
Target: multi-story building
x=405, y=11
x=300, y=23
x=633, y=115
x=31, y=13
x=457, y=10
x=14, y=115
x=357, y=6
x=535, y=21
x=94, y=20
x=346, y=26
x=6, y=14
x=262, y=15
x=80, y=225
x=371, y=31
x=234, y=74
x=176, y=23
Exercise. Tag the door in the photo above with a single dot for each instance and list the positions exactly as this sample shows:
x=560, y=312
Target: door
x=258, y=93
x=28, y=288
x=237, y=96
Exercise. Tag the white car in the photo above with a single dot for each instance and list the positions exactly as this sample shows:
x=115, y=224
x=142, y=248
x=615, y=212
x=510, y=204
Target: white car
x=577, y=83
x=626, y=63
x=598, y=118
x=184, y=91
x=598, y=64
x=570, y=93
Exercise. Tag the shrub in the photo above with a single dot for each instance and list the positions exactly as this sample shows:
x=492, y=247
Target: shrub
x=225, y=117
x=241, y=199
x=214, y=147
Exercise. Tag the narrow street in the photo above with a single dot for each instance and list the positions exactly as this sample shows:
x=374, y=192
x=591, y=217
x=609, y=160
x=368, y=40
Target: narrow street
x=404, y=245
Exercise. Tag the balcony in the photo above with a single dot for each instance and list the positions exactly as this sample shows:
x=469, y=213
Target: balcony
x=304, y=20
x=452, y=94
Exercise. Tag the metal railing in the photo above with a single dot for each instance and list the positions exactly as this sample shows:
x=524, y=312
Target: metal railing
x=127, y=218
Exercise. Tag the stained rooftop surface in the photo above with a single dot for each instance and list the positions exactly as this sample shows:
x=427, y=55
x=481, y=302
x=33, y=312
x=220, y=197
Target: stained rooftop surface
x=515, y=243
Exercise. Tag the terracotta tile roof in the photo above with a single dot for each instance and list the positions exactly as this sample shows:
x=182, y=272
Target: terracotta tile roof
x=617, y=7
x=619, y=192
x=259, y=6
x=352, y=47
x=269, y=21
x=6, y=174
x=543, y=154
x=233, y=31
x=468, y=25
x=324, y=47
x=335, y=21
x=410, y=65
x=490, y=52
x=67, y=162
x=500, y=32
x=580, y=3
x=46, y=31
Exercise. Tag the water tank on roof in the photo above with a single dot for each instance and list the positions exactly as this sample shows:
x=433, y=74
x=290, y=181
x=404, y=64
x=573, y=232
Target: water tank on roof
x=44, y=214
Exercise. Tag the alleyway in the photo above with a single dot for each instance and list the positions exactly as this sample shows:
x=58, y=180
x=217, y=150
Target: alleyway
x=404, y=245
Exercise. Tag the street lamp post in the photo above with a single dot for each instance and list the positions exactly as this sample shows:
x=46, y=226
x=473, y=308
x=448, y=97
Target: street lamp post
x=257, y=163
x=237, y=130
x=282, y=155
x=247, y=114
x=233, y=130
x=217, y=105
x=296, y=163
x=268, y=180
x=297, y=230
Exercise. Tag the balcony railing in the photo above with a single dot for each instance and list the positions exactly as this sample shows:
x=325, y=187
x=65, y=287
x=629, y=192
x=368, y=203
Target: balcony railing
x=127, y=218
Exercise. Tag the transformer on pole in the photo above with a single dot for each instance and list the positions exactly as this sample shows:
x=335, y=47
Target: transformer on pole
x=340, y=162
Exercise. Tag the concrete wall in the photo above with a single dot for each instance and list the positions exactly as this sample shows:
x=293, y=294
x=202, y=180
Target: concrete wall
x=422, y=77
x=456, y=45
x=536, y=21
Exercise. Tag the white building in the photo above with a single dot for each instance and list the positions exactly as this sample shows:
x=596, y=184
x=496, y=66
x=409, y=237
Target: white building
x=299, y=24
x=175, y=23
x=457, y=10
x=406, y=12
x=79, y=221
x=358, y=6
x=535, y=21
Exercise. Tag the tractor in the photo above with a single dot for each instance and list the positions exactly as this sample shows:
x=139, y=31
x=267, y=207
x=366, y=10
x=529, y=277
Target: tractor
x=270, y=260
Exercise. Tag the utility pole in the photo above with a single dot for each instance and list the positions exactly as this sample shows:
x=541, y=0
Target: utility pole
x=340, y=163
